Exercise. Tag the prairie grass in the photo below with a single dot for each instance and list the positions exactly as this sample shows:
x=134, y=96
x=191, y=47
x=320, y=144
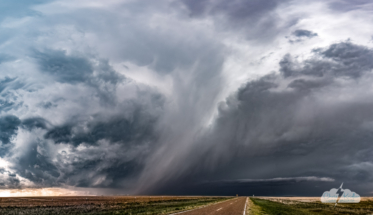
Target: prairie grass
x=265, y=206
x=106, y=207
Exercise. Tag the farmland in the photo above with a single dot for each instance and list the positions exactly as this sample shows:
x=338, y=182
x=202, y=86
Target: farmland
x=103, y=204
x=305, y=206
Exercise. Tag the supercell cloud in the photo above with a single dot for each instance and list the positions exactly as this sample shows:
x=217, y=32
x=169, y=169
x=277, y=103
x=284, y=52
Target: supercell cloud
x=186, y=97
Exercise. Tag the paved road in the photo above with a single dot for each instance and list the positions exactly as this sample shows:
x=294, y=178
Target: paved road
x=232, y=207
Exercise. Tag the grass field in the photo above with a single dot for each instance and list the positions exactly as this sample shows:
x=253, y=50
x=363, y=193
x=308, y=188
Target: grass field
x=304, y=206
x=102, y=205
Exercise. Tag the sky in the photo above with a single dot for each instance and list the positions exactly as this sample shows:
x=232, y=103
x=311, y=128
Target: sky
x=186, y=97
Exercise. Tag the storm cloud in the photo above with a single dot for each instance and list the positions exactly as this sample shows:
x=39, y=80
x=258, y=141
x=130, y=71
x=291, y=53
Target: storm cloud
x=289, y=123
x=186, y=97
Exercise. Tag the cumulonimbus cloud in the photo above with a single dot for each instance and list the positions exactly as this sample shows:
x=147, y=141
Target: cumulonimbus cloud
x=141, y=104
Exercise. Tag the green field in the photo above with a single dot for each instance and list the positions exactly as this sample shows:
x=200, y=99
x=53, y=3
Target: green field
x=262, y=206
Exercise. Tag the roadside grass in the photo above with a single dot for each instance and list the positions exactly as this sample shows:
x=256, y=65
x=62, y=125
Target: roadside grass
x=252, y=209
x=267, y=207
x=126, y=208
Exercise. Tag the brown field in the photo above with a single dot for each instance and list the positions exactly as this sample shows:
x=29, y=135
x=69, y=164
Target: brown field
x=103, y=204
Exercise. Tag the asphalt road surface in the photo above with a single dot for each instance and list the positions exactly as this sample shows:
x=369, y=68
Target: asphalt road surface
x=231, y=207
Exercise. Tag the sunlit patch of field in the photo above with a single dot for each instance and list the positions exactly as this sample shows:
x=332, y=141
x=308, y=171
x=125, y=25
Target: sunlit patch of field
x=103, y=204
x=292, y=200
